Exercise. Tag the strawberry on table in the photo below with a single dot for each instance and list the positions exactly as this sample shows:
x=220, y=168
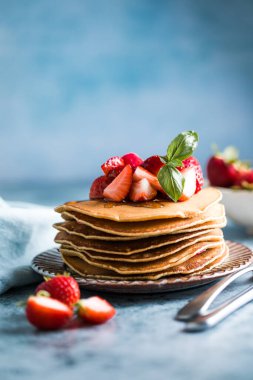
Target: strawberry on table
x=120, y=186
x=62, y=288
x=47, y=313
x=113, y=166
x=95, y=310
x=142, y=191
x=132, y=159
x=98, y=186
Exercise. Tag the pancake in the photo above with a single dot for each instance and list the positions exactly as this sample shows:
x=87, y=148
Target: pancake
x=215, y=263
x=150, y=247
x=151, y=255
x=144, y=211
x=79, y=229
x=199, y=263
x=161, y=264
x=216, y=213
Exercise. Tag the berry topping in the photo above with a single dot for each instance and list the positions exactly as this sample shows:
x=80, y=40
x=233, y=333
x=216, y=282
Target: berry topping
x=47, y=313
x=142, y=191
x=192, y=162
x=98, y=186
x=153, y=164
x=95, y=310
x=113, y=166
x=62, y=288
x=189, y=175
x=132, y=159
x=141, y=173
x=120, y=186
x=165, y=174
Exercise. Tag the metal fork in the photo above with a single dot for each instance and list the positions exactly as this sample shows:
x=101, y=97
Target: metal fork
x=196, y=314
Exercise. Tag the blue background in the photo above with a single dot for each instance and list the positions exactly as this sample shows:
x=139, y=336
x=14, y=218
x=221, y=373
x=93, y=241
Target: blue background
x=84, y=80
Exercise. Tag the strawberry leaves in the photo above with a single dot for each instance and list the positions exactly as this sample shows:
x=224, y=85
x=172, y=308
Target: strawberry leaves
x=178, y=150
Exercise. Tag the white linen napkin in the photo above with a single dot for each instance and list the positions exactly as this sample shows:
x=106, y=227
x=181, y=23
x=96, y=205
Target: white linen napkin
x=25, y=230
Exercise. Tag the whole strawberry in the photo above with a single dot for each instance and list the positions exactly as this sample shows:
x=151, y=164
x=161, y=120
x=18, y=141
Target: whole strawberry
x=221, y=173
x=226, y=170
x=61, y=288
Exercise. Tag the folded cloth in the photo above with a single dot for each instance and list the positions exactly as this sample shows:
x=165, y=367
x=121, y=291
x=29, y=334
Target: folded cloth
x=25, y=230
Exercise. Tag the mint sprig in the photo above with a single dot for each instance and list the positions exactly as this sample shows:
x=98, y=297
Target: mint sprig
x=178, y=150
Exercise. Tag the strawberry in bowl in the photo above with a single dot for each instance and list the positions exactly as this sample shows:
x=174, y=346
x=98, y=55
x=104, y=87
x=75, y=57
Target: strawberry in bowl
x=235, y=180
x=176, y=176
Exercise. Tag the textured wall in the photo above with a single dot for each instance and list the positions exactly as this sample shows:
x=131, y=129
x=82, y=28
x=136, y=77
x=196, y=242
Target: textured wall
x=83, y=80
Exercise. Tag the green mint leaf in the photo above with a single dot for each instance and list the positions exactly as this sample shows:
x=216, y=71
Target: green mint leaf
x=182, y=146
x=171, y=181
x=164, y=159
x=176, y=162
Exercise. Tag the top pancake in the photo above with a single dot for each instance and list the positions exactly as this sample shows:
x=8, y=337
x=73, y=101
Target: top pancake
x=143, y=211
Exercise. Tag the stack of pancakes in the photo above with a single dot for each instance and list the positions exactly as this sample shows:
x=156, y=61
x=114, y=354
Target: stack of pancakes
x=145, y=240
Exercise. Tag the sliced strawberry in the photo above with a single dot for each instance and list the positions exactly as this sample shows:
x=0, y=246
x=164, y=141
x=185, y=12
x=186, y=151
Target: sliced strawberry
x=120, y=186
x=153, y=164
x=142, y=191
x=98, y=186
x=113, y=166
x=192, y=162
x=132, y=159
x=95, y=310
x=47, y=313
x=189, y=175
x=141, y=173
x=62, y=288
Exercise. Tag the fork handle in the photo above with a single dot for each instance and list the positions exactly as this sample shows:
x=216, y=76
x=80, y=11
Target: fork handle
x=205, y=321
x=201, y=303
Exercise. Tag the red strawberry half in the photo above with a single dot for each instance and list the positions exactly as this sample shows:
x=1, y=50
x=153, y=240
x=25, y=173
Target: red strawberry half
x=142, y=191
x=189, y=190
x=98, y=186
x=141, y=173
x=120, y=186
x=47, y=313
x=132, y=159
x=62, y=288
x=153, y=164
x=192, y=162
x=95, y=310
x=113, y=166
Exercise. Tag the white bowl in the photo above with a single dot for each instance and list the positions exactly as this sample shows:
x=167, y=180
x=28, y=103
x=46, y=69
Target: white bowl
x=239, y=206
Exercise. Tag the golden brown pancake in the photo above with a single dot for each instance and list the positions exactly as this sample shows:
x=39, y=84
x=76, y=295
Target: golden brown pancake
x=79, y=229
x=143, y=211
x=197, y=264
x=215, y=263
x=152, y=227
x=149, y=247
x=161, y=264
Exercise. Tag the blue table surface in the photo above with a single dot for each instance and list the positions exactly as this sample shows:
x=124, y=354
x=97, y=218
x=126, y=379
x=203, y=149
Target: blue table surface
x=142, y=342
